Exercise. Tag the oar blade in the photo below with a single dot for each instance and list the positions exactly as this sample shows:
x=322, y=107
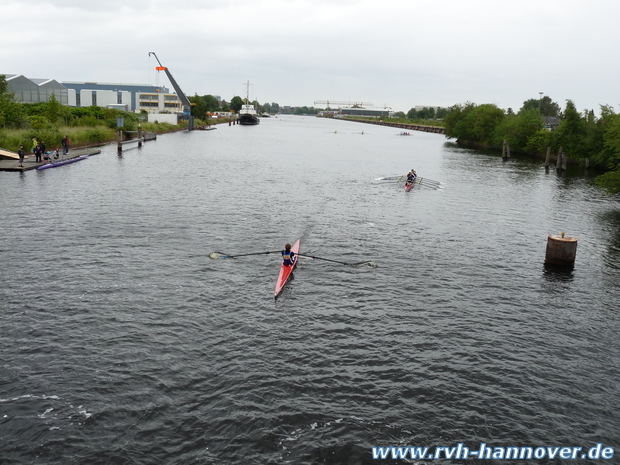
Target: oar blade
x=216, y=255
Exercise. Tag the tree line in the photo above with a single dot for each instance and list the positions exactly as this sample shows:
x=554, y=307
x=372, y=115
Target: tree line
x=581, y=135
x=203, y=105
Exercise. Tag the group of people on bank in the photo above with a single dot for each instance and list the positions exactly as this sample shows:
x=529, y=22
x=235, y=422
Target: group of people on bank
x=40, y=153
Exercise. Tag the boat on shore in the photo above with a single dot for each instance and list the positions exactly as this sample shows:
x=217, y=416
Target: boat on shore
x=287, y=270
x=248, y=115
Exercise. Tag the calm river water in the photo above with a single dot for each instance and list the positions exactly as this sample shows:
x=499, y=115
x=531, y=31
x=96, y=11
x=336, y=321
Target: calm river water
x=122, y=342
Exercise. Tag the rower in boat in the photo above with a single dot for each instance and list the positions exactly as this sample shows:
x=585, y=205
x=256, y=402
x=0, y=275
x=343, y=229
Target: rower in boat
x=288, y=256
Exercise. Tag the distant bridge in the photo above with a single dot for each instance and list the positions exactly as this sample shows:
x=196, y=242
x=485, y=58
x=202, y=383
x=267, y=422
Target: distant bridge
x=341, y=103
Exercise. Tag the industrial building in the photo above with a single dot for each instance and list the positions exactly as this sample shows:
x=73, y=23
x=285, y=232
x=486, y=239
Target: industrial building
x=127, y=97
x=36, y=90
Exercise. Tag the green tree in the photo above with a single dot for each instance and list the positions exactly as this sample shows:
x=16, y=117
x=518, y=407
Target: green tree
x=199, y=107
x=473, y=123
x=609, y=155
x=441, y=113
x=486, y=118
x=456, y=122
x=12, y=113
x=53, y=109
x=236, y=103
x=211, y=102
x=518, y=129
x=571, y=133
x=547, y=106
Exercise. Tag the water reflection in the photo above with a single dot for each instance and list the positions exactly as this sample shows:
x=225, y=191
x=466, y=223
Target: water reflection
x=610, y=223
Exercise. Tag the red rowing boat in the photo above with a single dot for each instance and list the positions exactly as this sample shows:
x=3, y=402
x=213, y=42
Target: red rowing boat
x=286, y=270
x=408, y=187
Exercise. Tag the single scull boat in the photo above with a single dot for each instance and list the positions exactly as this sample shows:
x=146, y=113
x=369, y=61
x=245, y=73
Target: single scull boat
x=286, y=270
x=61, y=163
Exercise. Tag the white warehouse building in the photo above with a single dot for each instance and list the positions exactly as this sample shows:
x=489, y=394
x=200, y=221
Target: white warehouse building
x=127, y=97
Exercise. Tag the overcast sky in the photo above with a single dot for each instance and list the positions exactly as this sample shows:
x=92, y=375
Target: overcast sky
x=399, y=53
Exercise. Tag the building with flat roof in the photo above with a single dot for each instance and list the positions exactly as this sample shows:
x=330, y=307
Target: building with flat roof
x=137, y=97
x=359, y=111
x=128, y=97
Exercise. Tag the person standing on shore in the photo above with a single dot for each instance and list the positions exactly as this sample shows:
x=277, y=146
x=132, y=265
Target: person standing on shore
x=65, y=145
x=37, y=153
x=20, y=152
x=35, y=142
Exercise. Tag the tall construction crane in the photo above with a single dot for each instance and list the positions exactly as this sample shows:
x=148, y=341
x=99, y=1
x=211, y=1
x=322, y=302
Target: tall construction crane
x=339, y=103
x=187, y=106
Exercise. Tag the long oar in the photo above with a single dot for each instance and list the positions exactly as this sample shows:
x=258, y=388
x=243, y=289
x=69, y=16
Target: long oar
x=430, y=181
x=216, y=255
x=368, y=263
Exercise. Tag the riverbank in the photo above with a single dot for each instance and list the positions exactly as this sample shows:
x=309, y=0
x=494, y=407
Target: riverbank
x=410, y=127
x=86, y=136
x=10, y=164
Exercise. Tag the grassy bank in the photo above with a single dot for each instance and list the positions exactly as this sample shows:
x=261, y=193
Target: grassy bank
x=11, y=139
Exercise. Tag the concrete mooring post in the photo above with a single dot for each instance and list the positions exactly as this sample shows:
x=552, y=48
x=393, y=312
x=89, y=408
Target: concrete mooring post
x=139, y=136
x=547, y=159
x=561, y=251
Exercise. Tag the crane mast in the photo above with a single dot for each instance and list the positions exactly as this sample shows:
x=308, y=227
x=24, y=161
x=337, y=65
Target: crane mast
x=184, y=100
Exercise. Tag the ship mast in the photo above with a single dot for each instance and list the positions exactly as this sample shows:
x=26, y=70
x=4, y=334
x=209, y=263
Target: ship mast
x=247, y=95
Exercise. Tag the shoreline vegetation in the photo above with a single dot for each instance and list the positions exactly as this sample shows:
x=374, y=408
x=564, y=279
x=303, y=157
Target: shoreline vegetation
x=540, y=125
x=582, y=136
x=88, y=136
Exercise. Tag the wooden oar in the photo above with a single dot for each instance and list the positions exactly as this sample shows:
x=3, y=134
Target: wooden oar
x=430, y=181
x=216, y=255
x=370, y=264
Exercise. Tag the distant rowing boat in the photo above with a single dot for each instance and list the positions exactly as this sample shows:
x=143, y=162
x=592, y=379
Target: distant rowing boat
x=60, y=163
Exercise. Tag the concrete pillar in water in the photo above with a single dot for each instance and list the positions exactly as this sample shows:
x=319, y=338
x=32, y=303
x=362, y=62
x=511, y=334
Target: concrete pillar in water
x=561, y=251
x=547, y=158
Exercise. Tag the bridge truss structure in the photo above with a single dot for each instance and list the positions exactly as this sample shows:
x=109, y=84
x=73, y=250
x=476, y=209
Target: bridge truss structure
x=341, y=104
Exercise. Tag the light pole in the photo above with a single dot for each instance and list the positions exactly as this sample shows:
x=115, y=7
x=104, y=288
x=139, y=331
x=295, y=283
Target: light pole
x=539, y=102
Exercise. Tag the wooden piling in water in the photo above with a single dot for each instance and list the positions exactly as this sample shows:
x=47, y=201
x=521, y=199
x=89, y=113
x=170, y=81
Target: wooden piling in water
x=505, y=150
x=119, y=137
x=561, y=251
x=561, y=161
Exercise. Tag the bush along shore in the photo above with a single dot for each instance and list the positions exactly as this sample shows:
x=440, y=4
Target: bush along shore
x=583, y=137
x=86, y=136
